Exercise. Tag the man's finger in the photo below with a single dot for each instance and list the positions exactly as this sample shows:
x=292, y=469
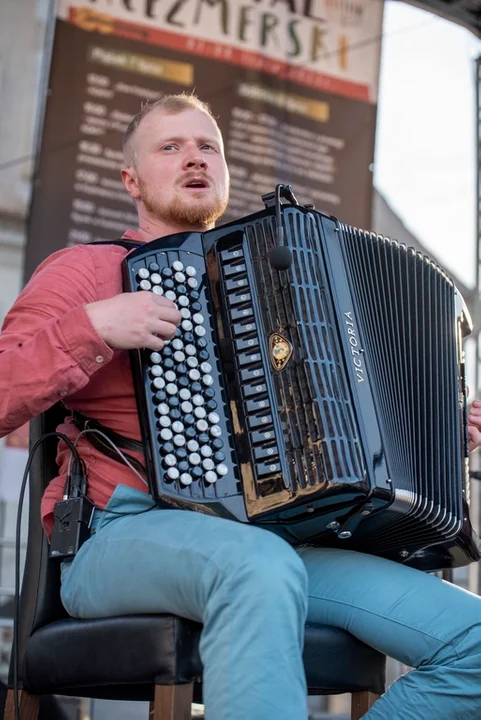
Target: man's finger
x=154, y=343
x=165, y=329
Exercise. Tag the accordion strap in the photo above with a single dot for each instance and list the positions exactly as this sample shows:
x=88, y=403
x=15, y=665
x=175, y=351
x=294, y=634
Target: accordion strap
x=82, y=422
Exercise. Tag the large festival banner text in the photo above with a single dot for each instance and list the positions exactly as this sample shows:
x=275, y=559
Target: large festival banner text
x=292, y=83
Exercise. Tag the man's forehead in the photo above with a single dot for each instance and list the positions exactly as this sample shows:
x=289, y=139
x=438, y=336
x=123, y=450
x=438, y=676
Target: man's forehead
x=191, y=122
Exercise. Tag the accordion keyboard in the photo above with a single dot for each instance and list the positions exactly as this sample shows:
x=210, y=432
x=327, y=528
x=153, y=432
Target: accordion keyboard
x=184, y=403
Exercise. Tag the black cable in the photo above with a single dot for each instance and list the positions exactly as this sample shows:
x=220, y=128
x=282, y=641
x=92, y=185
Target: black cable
x=16, y=621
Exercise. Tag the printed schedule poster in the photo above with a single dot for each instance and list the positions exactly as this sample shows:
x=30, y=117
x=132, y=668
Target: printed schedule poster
x=293, y=85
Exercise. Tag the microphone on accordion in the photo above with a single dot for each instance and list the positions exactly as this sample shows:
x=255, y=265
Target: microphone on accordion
x=315, y=386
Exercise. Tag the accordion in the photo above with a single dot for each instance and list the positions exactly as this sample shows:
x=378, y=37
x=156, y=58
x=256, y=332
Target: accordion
x=315, y=386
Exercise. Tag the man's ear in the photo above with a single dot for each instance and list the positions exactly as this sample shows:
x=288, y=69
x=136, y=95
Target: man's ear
x=129, y=179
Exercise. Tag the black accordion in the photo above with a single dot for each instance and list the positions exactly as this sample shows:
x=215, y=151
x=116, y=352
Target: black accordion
x=315, y=386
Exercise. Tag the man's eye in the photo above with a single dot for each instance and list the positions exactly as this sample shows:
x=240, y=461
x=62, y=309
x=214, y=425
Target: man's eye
x=168, y=147
x=206, y=146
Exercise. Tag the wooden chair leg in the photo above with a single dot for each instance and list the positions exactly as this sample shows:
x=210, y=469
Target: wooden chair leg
x=361, y=702
x=28, y=706
x=171, y=702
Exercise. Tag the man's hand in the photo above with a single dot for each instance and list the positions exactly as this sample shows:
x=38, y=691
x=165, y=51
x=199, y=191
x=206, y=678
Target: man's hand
x=134, y=320
x=474, y=425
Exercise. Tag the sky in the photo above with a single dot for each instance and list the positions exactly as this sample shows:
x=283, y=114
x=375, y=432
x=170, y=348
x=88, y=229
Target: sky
x=425, y=161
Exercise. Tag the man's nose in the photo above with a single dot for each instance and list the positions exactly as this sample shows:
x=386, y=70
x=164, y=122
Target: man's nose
x=194, y=159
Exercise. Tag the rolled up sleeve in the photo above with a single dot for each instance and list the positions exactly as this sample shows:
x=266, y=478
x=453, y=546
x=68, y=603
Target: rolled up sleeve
x=48, y=346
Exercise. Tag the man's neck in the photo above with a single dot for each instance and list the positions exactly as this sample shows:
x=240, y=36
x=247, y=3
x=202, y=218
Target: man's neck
x=151, y=229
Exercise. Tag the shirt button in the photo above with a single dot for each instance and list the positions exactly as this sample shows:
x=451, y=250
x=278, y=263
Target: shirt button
x=99, y=359
x=63, y=393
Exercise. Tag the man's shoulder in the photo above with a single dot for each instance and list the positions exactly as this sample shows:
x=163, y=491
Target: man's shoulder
x=86, y=252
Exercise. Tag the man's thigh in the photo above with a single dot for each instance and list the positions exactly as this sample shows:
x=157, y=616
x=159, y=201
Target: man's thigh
x=404, y=613
x=165, y=561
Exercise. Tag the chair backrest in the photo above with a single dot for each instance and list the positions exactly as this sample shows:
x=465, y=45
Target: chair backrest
x=40, y=602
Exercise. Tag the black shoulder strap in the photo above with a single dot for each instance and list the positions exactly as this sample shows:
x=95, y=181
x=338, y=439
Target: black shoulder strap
x=127, y=244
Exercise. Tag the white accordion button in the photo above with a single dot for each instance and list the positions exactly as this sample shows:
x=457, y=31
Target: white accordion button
x=186, y=479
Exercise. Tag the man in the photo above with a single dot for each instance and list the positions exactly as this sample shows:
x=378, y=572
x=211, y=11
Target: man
x=66, y=339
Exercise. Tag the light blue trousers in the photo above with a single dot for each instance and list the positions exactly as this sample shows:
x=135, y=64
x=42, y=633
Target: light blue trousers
x=253, y=593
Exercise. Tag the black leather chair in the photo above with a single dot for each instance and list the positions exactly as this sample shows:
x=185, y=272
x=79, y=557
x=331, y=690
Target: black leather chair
x=144, y=657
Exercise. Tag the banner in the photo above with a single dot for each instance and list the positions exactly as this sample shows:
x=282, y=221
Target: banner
x=293, y=84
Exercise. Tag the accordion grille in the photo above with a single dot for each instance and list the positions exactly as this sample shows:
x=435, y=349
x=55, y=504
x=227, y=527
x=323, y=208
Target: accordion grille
x=313, y=400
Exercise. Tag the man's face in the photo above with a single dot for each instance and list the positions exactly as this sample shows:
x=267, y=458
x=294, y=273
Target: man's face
x=180, y=168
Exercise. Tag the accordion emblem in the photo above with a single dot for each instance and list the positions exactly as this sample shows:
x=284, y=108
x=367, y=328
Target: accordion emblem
x=318, y=392
x=280, y=350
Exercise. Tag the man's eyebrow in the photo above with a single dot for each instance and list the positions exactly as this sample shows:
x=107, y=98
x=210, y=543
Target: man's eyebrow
x=180, y=139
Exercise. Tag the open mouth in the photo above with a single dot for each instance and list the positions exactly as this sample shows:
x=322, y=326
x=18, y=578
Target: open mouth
x=196, y=184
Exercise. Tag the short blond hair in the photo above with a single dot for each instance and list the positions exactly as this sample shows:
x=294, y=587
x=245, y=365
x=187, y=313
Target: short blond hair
x=169, y=105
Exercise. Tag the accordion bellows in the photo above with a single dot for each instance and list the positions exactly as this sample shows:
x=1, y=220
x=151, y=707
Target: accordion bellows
x=325, y=401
